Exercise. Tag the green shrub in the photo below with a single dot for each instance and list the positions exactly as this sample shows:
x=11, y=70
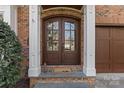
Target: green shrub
x=10, y=56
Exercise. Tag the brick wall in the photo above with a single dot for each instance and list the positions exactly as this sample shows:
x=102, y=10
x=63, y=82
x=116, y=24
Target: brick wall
x=23, y=34
x=110, y=14
x=104, y=14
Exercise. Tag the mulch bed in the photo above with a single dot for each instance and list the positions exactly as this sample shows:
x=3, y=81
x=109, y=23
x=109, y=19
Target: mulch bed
x=23, y=83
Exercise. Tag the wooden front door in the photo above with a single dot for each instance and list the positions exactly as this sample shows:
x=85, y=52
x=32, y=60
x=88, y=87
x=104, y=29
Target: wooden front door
x=61, y=41
x=110, y=49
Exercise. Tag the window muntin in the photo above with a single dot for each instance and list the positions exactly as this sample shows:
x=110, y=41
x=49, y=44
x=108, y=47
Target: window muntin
x=68, y=35
x=53, y=36
x=69, y=30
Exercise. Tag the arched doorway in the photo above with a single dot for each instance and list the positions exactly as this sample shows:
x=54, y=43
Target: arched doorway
x=61, y=41
x=87, y=44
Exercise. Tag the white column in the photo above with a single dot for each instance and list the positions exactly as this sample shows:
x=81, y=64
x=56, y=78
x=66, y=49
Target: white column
x=13, y=16
x=89, y=41
x=34, y=41
x=10, y=15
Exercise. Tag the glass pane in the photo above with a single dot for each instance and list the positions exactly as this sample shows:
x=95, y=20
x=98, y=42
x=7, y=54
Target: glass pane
x=72, y=45
x=55, y=35
x=67, y=45
x=72, y=35
x=67, y=35
x=72, y=26
x=55, y=25
x=49, y=26
x=67, y=25
x=49, y=45
x=55, y=45
x=49, y=37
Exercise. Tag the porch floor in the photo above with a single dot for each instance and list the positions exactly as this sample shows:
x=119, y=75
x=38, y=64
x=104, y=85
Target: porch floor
x=62, y=74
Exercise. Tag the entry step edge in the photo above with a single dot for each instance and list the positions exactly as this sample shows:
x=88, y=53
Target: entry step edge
x=62, y=85
x=62, y=74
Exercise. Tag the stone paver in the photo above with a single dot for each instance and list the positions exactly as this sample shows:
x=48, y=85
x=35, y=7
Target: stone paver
x=110, y=80
x=109, y=84
x=61, y=85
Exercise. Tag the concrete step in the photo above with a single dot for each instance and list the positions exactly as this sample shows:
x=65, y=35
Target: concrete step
x=62, y=74
x=59, y=82
x=62, y=80
x=62, y=85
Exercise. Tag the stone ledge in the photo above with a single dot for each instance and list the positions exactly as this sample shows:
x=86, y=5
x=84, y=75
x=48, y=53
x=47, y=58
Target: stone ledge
x=62, y=74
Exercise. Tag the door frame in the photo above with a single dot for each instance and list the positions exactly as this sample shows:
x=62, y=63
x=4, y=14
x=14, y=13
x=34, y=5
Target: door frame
x=87, y=15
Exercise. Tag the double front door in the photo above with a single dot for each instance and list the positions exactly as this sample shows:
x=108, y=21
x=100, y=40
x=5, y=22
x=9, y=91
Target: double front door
x=61, y=44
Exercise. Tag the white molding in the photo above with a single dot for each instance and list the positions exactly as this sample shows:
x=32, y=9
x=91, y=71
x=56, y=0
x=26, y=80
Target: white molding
x=14, y=18
x=34, y=71
x=34, y=41
x=41, y=32
x=89, y=71
x=89, y=40
x=13, y=14
x=1, y=13
x=10, y=15
x=6, y=13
